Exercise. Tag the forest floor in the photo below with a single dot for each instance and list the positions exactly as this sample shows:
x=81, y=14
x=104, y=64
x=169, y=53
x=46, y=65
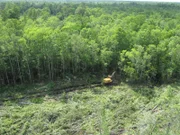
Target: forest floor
x=107, y=110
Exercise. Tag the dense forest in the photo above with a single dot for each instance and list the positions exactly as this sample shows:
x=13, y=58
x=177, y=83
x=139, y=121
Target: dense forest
x=49, y=41
x=54, y=57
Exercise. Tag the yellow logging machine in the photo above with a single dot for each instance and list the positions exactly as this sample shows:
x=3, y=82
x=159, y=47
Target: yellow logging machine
x=109, y=79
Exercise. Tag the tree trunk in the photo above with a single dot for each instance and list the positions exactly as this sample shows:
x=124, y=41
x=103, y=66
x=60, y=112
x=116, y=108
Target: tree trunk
x=39, y=72
x=7, y=78
x=19, y=70
x=52, y=69
x=29, y=71
x=12, y=71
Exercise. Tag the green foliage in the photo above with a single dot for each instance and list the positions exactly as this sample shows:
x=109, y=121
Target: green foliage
x=36, y=100
x=40, y=42
x=102, y=110
x=10, y=11
x=136, y=63
x=51, y=85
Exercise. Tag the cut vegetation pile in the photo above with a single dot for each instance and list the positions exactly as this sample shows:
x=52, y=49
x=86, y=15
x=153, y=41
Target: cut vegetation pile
x=102, y=110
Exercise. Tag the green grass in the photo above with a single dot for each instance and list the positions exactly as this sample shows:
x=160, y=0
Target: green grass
x=137, y=110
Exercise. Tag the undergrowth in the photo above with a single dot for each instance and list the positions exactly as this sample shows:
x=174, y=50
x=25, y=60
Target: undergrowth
x=109, y=110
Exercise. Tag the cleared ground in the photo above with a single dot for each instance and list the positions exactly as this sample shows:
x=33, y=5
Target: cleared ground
x=122, y=109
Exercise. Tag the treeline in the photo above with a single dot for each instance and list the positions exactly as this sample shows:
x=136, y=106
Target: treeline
x=48, y=41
